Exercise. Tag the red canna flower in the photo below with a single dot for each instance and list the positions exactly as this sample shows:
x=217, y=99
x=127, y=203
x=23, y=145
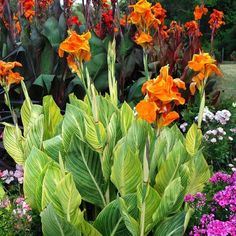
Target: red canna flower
x=216, y=19
x=199, y=12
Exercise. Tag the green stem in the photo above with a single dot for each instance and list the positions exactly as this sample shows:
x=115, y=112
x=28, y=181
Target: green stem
x=145, y=63
x=202, y=103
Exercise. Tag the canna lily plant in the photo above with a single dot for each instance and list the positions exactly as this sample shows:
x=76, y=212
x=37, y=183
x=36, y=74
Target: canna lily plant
x=98, y=169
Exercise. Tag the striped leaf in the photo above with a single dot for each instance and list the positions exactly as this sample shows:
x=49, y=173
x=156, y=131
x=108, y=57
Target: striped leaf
x=193, y=139
x=85, y=166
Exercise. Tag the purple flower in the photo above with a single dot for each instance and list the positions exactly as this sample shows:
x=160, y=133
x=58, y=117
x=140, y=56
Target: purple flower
x=220, y=177
x=189, y=198
x=5, y=203
x=19, y=174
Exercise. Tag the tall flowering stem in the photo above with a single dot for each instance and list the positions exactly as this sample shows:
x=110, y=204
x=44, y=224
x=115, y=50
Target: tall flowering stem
x=205, y=66
x=216, y=21
x=112, y=83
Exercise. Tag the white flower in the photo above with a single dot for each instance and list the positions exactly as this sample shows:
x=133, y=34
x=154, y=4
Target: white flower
x=222, y=116
x=183, y=126
x=213, y=140
x=234, y=104
x=233, y=169
x=230, y=138
x=220, y=130
x=231, y=165
x=214, y=132
x=233, y=130
x=220, y=138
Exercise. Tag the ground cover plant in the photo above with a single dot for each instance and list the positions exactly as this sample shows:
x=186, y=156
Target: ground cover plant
x=92, y=163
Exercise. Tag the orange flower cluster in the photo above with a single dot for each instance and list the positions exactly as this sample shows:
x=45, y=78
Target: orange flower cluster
x=216, y=19
x=78, y=48
x=204, y=64
x=7, y=76
x=28, y=6
x=162, y=94
x=145, y=17
x=193, y=29
x=199, y=12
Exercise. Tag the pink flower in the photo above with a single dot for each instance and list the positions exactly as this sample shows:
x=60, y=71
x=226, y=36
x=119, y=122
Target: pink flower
x=7, y=176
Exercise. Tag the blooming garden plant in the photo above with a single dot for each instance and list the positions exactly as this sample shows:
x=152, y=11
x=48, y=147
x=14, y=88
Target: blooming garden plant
x=100, y=166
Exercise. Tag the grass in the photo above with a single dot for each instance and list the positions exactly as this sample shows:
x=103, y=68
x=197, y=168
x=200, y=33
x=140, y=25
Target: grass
x=228, y=82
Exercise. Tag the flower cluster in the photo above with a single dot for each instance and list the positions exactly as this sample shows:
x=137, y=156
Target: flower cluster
x=28, y=7
x=216, y=214
x=7, y=76
x=199, y=12
x=162, y=94
x=216, y=19
x=106, y=26
x=78, y=48
x=192, y=28
x=73, y=20
x=45, y=3
x=145, y=17
x=22, y=209
x=183, y=126
x=205, y=66
x=8, y=175
x=223, y=116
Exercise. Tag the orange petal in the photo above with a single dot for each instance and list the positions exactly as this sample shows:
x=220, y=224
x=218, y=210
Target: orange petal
x=193, y=88
x=147, y=111
x=168, y=118
x=180, y=83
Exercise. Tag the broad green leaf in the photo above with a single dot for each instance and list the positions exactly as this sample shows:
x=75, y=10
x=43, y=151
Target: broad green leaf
x=53, y=176
x=73, y=123
x=53, y=146
x=200, y=174
x=12, y=141
x=171, y=226
x=95, y=133
x=45, y=81
x=53, y=117
x=126, y=118
x=29, y=114
x=85, y=166
x=52, y=224
x=36, y=163
x=110, y=222
x=126, y=171
x=52, y=32
x=34, y=137
x=135, y=92
x=47, y=60
x=148, y=201
x=171, y=200
x=126, y=45
x=105, y=110
x=193, y=139
x=131, y=224
x=80, y=104
x=171, y=166
x=66, y=200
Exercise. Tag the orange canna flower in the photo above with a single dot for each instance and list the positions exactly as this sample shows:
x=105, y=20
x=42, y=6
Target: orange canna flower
x=159, y=12
x=216, y=19
x=77, y=46
x=199, y=12
x=147, y=111
x=142, y=16
x=7, y=76
x=204, y=64
x=164, y=93
x=143, y=39
x=141, y=6
x=193, y=29
x=28, y=7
